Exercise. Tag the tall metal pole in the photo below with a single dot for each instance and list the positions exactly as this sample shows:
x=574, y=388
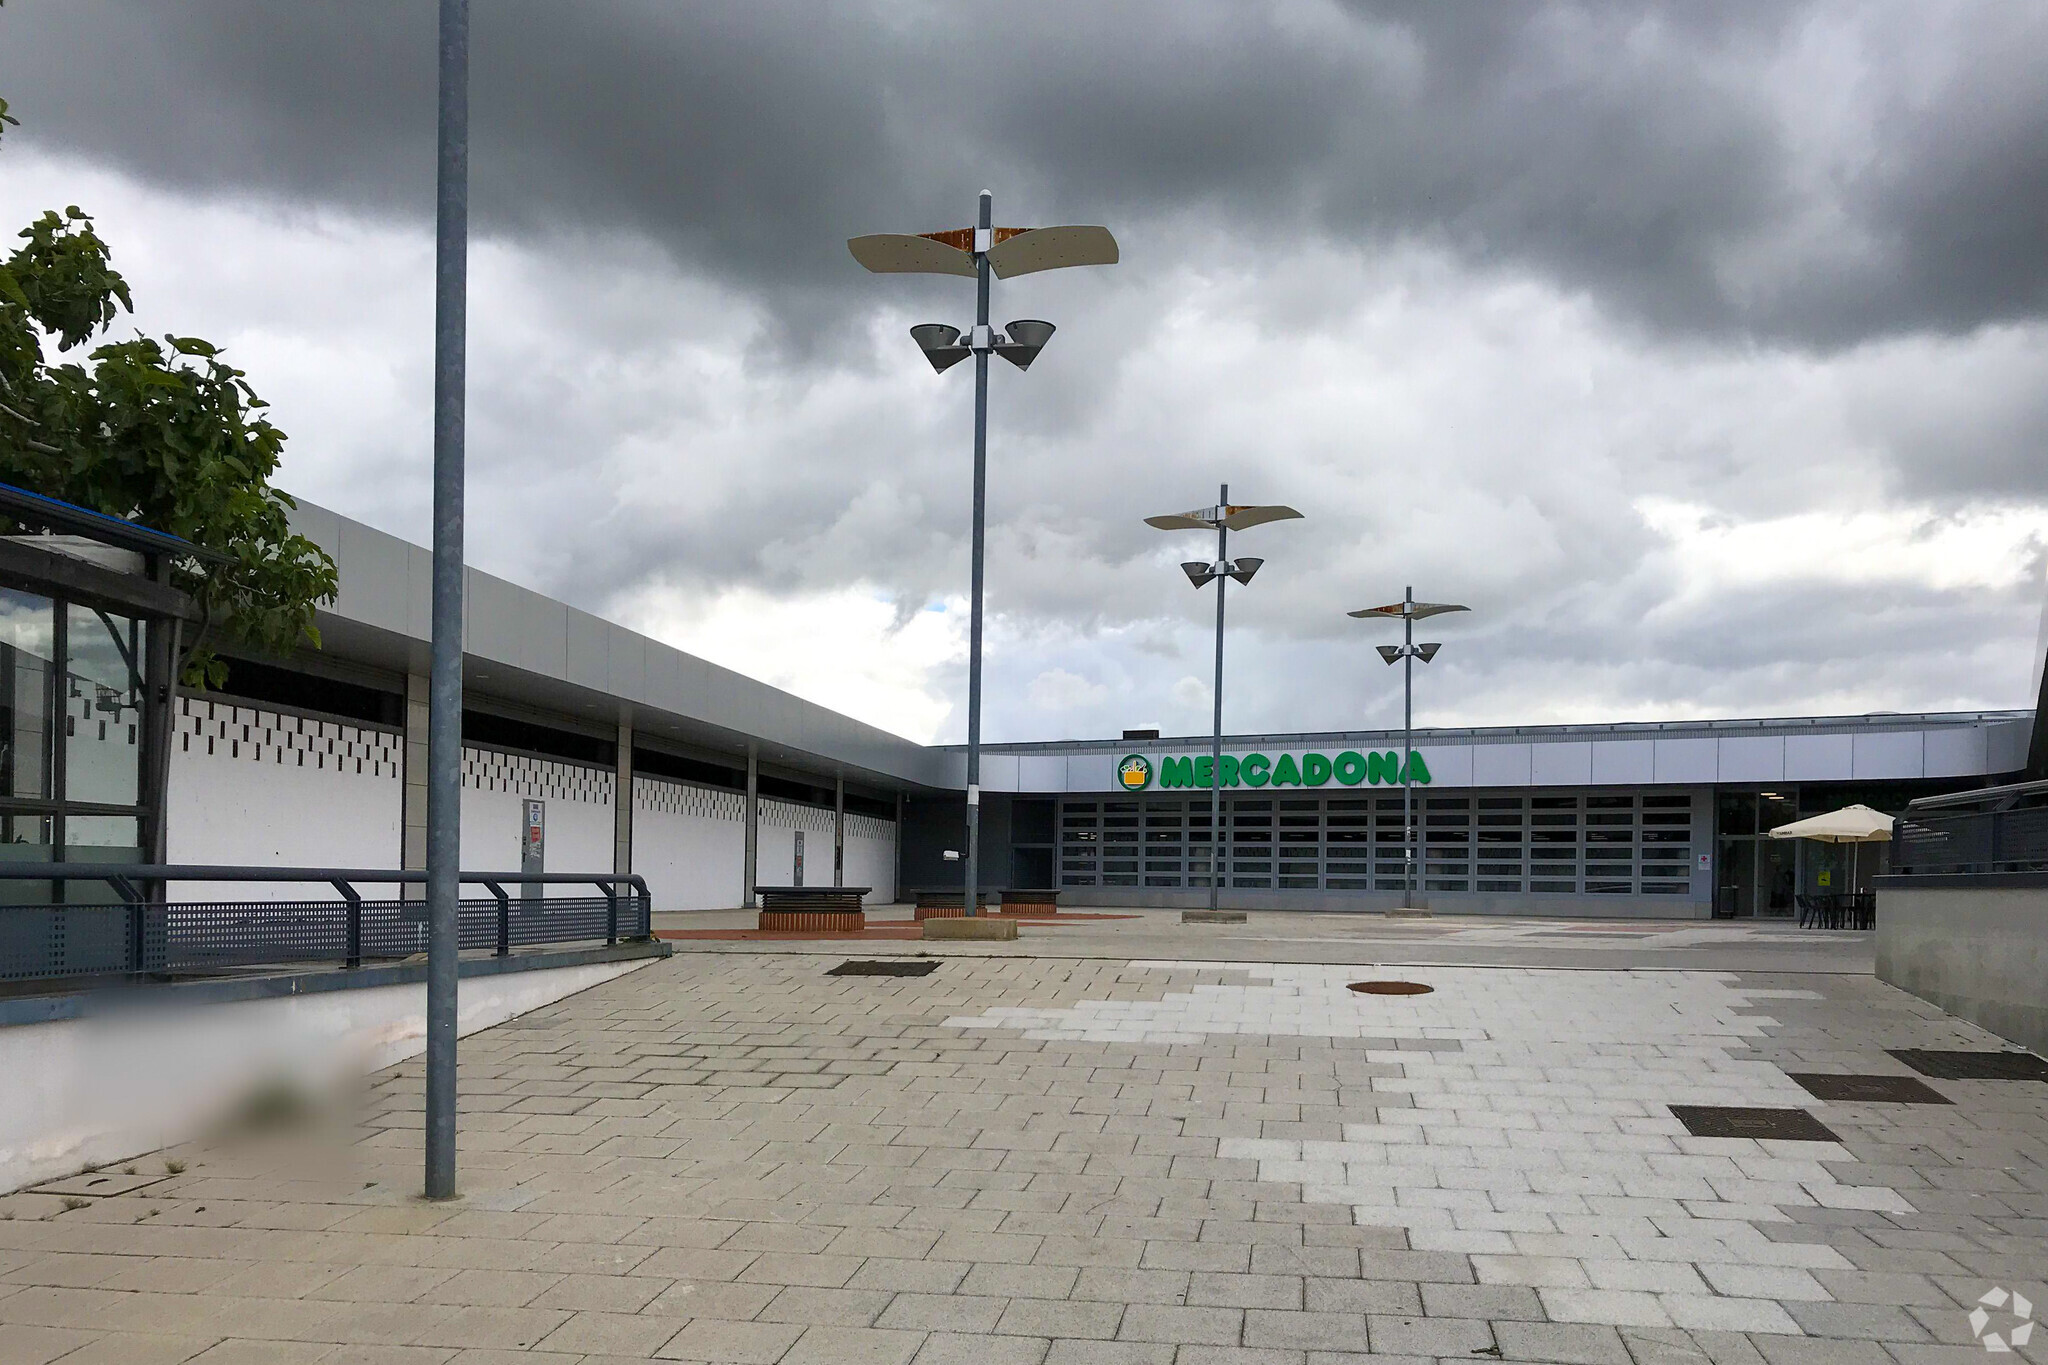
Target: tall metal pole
x=971, y=905
x=1218, y=847
x=1407, y=736
x=444, y=725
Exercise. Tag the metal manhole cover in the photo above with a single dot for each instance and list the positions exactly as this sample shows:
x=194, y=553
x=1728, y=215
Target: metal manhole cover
x=1786, y=1125
x=1869, y=1089
x=884, y=969
x=1391, y=988
x=1973, y=1066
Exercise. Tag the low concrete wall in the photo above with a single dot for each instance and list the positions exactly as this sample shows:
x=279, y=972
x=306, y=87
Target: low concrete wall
x=145, y=1073
x=1976, y=946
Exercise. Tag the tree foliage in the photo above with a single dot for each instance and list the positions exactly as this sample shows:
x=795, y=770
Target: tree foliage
x=161, y=430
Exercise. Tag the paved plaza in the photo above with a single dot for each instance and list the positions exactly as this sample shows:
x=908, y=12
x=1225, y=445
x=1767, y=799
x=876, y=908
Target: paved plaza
x=1114, y=1143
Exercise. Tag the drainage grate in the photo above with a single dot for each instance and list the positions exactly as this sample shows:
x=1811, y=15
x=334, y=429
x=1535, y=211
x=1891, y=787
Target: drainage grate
x=1973, y=1066
x=1786, y=1125
x=1870, y=1089
x=884, y=969
x=1391, y=988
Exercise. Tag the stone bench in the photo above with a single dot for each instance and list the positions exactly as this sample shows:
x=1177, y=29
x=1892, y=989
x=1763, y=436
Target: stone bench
x=1035, y=904
x=812, y=907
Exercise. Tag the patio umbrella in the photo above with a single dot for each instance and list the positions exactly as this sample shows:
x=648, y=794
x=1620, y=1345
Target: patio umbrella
x=1849, y=825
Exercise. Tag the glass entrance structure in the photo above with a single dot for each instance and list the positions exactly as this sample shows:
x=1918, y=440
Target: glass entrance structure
x=1493, y=842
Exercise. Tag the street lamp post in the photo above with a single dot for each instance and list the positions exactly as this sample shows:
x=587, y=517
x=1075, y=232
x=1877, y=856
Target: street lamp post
x=444, y=697
x=979, y=252
x=1408, y=611
x=1223, y=519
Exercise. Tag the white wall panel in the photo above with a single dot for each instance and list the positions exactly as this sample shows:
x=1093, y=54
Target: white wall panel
x=1887, y=756
x=1686, y=760
x=2006, y=748
x=1625, y=761
x=578, y=824
x=1095, y=772
x=871, y=857
x=1449, y=765
x=260, y=788
x=1500, y=765
x=689, y=843
x=775, y=851
x=999, y=772
x=1956, y=753
x=1036, y=773
x=1818, y=758
x=1752, y=758
x=1560, y=765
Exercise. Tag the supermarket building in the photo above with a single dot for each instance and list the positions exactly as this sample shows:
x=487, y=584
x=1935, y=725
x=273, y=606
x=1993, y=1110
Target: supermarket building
x=633, y=756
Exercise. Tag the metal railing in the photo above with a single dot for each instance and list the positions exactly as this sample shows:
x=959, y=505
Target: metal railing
x=1942, y=843
x=115, y=919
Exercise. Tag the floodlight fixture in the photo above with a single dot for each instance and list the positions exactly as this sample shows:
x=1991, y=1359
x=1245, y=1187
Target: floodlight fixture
x=941, y=345
x=1222, y=519
x=979, y=253
x=1407, y=611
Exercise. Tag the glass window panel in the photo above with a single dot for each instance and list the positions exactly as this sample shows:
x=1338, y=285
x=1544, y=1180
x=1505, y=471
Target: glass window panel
x=1121, y=806
x=1553, y=803
x=28, y=652
x=1540, y=819
x=1665, y=817
x=1666, y=888
x=103, y=708
x=1489, y=885
x=1500, y=803
x=1609, y=802
x=1682, y=802
x=1735, y=813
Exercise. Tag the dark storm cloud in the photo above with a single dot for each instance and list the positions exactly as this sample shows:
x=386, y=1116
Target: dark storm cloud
x=1664, y=157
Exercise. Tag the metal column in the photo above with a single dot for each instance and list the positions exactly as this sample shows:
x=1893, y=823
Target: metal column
x=839, y=830
x=986, y=219
x=622, y=802
x=1218, y=844
x=753, y=824
x=444, y=739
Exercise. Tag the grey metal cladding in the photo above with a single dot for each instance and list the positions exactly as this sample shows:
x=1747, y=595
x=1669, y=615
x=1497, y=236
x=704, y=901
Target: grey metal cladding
x=386, y=587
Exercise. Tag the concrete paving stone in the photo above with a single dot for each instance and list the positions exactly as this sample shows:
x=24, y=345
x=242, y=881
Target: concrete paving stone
x=845, y=1307
x=1213, y=1326
x=1564, y=1343
x=1061, y=1318
x=1361, y=1296
x=1787, y=1350
x=719, y=1342
x=1763, y=1282
x=854, y=1346
x=130, y=1348
x=1708, y=1312
x=712, y=1299
x=1021, y=1281
x=1306, y=1331
x=1133, y=1286
x=1207, y=1288
x=241, y=1352
x=952, y=1348
x=1482, y=1301
x=504, y=1288
x=388, y=1355
x=1082, y=1352
x=953, y=1313
x=1622, y=1307
x=625, y=1334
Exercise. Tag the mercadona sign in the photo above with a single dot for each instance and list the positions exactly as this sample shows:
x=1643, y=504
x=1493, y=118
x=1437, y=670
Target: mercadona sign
x=1136, y=772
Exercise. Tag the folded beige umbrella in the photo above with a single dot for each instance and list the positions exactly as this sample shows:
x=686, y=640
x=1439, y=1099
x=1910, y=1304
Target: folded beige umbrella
x=1849, y=825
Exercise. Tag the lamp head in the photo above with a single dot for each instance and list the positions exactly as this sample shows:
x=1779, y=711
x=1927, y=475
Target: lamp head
x=941, y=345
x=1391, y=653
x=1243, y=569
x=1198, y=571
x=1027, y=337
x=1427, y=652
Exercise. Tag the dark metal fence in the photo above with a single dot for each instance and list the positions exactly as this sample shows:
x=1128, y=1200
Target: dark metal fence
x=114, y=919
x=1945, y=843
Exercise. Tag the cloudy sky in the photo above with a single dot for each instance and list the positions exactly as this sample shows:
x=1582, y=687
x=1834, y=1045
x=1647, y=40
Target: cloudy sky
x=1700, y=348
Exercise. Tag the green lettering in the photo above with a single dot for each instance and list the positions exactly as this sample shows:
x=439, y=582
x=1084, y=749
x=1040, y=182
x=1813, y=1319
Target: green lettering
x=1229, y=770
x=1205, y=771
x=1176, y=772
x=1315, y=769
x=1350, y=768
x=1254, y=769
x=1383, y=768
x=1418, y=771
x=1285, y=773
